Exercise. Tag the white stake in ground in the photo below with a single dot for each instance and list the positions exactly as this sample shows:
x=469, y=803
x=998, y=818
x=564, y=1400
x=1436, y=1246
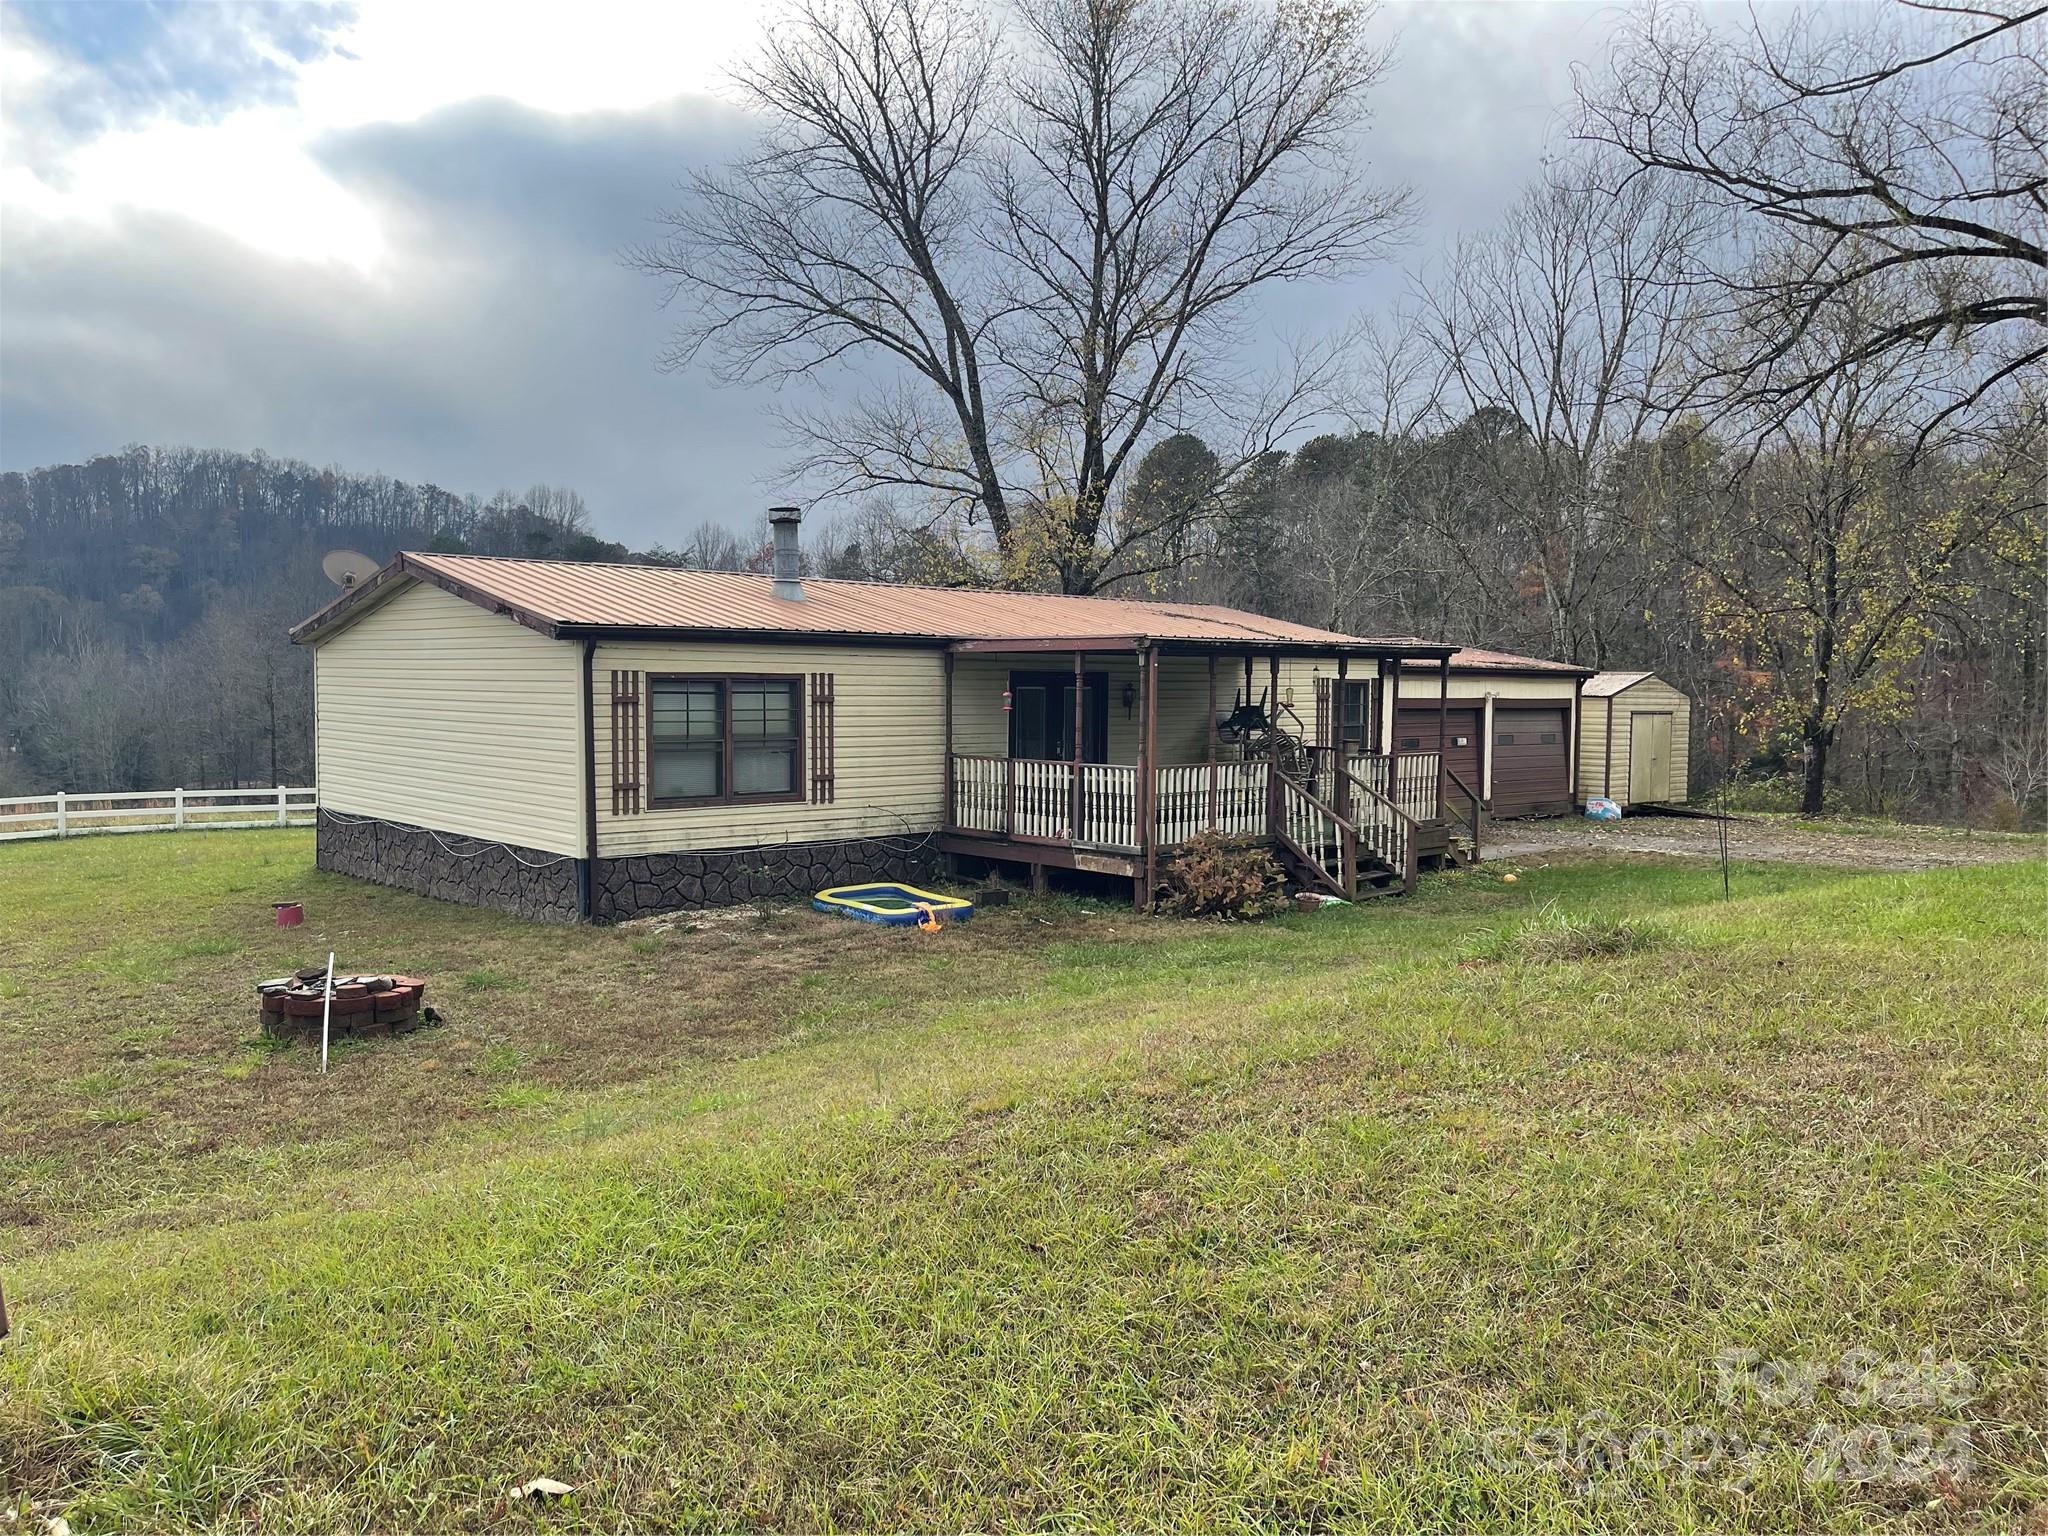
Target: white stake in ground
x=326, y=1009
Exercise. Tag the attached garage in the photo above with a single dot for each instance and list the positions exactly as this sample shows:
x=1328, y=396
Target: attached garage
x=1509, y=724
x=1532, y=761
x=1636, y=739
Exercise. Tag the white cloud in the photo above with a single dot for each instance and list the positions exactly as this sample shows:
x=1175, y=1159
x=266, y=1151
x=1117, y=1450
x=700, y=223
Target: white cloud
x=252, y=172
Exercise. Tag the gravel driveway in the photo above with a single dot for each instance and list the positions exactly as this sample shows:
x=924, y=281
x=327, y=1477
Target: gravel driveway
x=1881, y=846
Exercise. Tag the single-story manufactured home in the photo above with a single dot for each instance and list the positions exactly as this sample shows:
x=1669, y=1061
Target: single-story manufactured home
x=573, y=740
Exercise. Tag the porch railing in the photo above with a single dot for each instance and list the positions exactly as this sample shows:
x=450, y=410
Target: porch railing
x=1046, y=800
x=1211, y=797
x=1316, y=835
x=1409, y=779
x=1384, y=829
x=1370, y=806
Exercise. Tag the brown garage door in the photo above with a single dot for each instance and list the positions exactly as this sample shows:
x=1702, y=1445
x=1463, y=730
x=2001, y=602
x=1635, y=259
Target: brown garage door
x=1531, y=774
x=1415, y=731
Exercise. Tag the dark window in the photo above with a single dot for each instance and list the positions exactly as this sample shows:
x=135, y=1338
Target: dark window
x=722, y=739
x=1504, y=739
x=764, y=737
x=1351, y=731
x=1042, y=716
x=1411, y=743
x=1547, y=739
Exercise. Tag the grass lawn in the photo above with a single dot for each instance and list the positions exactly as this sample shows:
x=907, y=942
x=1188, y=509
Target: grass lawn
x=1061, y=1219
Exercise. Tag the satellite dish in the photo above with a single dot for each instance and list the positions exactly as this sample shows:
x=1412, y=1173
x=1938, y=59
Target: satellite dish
x=346, y=567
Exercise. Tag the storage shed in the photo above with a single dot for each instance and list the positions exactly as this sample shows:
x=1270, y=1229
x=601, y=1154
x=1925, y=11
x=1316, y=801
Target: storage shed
x=1635, y=739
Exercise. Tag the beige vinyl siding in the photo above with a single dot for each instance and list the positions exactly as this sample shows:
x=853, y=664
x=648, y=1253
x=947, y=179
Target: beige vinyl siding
x=889, y=743
x=433, y=712
x=1420, y=688
x=980, y=728
x=1605, y=763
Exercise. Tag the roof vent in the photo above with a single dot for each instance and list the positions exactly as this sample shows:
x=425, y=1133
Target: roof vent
x=783, y=521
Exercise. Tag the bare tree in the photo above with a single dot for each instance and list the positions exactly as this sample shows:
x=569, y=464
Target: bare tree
x=1043, y=249
x=2015, y=756
x=1567, y=318
x=1919, y=142
x=1838, y=550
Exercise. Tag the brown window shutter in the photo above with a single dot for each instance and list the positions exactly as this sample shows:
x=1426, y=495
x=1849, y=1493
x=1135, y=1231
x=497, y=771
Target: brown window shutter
x=822, y=725
x=1325, y=736
x=627, y=754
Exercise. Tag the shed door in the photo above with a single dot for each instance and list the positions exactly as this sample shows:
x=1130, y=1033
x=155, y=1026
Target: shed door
x=1415, y=731
x=1649, y=757
x=1531, y=774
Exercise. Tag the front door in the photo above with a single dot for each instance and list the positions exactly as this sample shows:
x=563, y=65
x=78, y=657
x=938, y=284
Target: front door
x=1649, y=758
x=1042, y=716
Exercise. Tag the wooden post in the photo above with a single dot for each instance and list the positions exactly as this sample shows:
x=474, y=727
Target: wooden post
x=1338, y=782
x=1443, y=729
x=64, y=823
x=1148, y=774
x=1578, y=711
x=281, y=807
x=1390, y=725
x=1210, y=758
x=1074, y=811
x=1273, y=701
x=951, y=814
x=1009, y=797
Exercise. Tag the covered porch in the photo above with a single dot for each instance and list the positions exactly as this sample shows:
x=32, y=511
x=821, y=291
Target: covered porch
x=1105, y=754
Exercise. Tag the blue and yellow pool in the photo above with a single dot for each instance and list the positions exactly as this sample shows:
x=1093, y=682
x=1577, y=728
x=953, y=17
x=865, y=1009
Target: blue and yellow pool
x=897, y=905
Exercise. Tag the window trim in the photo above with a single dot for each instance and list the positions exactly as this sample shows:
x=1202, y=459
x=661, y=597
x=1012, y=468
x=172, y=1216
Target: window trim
x=798, y=793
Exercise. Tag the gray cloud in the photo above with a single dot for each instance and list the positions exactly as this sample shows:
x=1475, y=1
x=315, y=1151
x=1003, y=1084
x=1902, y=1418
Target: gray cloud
x=503, y=343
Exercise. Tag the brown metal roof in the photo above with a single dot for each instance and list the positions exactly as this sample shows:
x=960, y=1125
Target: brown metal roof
x=562, y=597
x=1473, y=658
x=1604, y=685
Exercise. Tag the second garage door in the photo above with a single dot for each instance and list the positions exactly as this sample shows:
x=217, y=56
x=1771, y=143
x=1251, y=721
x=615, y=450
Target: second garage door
x=1531, y=773
x=1415, y=730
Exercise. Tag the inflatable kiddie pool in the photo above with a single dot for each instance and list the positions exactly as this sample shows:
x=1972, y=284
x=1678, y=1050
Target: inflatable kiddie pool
x=897, y=905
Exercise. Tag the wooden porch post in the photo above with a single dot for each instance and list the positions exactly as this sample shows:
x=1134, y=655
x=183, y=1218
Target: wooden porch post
x=1443, y=730
x=1080, y=688
x=1273, y=700
x=1335, y=748
x=952, y=819
x=1389, y=725
x=1148, y=776
x=1210, y=757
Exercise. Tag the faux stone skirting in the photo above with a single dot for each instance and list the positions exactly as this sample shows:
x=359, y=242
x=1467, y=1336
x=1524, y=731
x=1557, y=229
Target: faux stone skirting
x=449, y=866
x=664, y=882
x=529, y=882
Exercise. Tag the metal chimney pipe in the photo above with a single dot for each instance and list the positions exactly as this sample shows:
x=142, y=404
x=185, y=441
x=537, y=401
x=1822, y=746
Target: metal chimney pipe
x=788, y=564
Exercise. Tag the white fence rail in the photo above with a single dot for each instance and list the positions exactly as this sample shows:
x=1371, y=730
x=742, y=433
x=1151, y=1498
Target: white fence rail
x=67, y=813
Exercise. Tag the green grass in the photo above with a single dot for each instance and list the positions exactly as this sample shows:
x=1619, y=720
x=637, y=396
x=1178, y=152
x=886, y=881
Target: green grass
x=1061, y=1219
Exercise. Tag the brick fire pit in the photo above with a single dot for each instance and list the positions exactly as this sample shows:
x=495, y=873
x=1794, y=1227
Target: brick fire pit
x=363, y=1005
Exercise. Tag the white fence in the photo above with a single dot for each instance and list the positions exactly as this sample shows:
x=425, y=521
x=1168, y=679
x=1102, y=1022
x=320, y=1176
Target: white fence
x=69, y=814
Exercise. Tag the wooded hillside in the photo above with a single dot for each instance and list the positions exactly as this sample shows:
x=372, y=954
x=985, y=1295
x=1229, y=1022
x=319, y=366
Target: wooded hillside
x=144, y=598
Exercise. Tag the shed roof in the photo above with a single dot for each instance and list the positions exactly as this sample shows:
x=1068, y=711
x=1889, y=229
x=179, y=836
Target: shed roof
x=1474, y=658
x=1603, y=685
x=568, y=598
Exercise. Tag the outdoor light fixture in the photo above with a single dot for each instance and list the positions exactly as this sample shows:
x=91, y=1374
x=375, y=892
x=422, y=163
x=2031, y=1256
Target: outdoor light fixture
x=1006, y=701
x=1130, y=698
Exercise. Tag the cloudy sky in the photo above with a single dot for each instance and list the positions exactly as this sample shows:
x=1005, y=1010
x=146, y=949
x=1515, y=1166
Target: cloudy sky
x=386, y=236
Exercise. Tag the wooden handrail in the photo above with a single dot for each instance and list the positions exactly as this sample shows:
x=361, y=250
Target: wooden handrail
x=1478, y=807
x=1310, y=796
x=1411, y=830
